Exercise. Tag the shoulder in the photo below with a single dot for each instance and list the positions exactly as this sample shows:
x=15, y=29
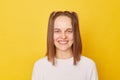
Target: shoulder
x=41, y=62
x=87, y=61
x=89, y=66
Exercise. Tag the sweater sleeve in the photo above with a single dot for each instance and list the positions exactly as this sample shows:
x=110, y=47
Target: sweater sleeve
x=93, y=73
x=37, y=74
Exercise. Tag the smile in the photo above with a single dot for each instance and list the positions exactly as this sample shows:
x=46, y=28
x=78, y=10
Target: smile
x=63, y=42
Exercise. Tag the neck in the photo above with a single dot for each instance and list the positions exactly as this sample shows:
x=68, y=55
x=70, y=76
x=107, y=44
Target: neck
x=64, y=54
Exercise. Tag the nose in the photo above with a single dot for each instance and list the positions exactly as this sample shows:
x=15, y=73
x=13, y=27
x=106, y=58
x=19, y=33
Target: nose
x=63, y=36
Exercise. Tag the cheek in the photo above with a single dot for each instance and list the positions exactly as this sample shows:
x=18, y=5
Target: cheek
x=55, y=37
x=71, y=37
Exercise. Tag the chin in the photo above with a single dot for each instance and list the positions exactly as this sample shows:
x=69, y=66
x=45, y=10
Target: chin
x=63, y=48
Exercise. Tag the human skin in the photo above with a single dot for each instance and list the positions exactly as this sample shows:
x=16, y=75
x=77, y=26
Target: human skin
x=63, y=36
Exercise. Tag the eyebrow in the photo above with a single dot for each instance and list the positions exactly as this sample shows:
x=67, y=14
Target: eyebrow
x=56, y=29
x=69, y=29
x=66, y=29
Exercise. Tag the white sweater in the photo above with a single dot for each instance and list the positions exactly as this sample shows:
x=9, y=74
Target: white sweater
x=65, y=70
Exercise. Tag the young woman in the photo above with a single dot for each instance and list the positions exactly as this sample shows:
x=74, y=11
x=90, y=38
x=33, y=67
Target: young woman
x=63, y=60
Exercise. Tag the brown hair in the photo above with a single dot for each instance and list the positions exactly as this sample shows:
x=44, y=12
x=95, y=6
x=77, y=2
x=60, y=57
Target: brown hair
x=77, y=44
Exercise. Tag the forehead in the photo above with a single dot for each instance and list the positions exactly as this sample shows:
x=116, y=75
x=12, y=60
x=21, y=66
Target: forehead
x=62, y=22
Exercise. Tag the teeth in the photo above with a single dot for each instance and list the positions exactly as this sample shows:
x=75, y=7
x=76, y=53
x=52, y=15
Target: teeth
x=63, y=42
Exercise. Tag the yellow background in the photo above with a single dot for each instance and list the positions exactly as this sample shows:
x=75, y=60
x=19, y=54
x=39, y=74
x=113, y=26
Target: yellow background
x=23, y=29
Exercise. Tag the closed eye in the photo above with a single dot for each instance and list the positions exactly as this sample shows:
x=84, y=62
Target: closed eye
x=70, y=31
x=56, y=31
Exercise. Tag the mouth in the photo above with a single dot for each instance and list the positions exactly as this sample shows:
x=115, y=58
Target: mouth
x=62, y=42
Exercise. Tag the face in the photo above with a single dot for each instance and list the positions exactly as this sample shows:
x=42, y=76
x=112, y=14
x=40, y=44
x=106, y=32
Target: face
x=63, y=33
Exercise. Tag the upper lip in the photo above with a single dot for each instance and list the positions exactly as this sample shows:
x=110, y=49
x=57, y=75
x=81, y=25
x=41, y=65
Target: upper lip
x=63, y=41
